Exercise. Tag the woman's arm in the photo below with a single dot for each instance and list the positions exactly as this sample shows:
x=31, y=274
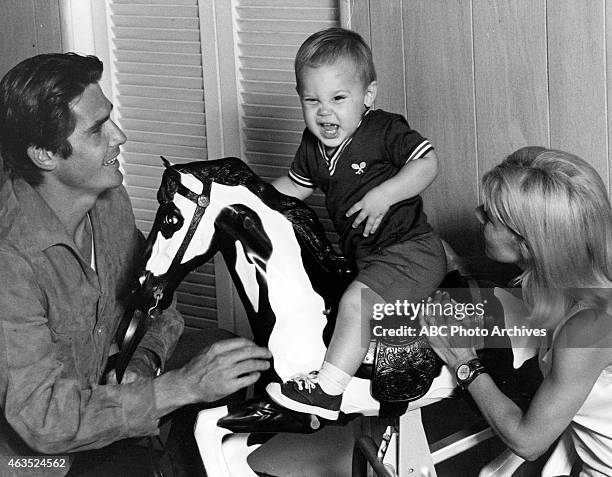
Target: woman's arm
x=554, y=405
x=559, y=397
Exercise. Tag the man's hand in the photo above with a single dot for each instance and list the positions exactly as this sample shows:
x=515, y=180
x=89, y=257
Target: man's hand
x=372, y=208
x=217, y=372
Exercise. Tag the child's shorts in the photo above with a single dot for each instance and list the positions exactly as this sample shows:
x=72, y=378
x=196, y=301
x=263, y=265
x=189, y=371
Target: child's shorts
x=409, y=270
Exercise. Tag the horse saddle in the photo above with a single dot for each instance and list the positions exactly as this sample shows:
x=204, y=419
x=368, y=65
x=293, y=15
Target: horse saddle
x=402, y=369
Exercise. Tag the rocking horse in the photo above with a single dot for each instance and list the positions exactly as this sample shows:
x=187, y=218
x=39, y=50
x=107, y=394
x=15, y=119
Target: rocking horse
x=289, y=279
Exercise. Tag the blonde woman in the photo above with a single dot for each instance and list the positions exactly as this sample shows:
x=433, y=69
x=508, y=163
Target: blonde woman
x=548, y=212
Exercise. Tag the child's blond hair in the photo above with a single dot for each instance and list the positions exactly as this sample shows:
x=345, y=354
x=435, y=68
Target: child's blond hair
x=328, y=46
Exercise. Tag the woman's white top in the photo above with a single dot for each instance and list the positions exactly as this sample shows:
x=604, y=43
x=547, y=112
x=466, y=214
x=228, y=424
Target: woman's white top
x=591, y=428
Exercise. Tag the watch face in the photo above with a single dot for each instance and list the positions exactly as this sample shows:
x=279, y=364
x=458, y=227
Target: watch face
x=463, y=372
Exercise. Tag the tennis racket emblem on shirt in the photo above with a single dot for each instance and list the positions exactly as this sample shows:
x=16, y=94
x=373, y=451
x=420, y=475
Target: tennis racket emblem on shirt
x=359, y=167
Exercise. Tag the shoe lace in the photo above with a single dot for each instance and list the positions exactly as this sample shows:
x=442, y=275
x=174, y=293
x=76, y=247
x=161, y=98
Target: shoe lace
x=306, y=381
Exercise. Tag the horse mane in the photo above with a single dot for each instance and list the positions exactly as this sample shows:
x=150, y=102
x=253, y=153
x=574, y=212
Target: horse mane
x=232, y=171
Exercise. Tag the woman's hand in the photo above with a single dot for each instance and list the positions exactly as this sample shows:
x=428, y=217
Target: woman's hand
x=449, y=337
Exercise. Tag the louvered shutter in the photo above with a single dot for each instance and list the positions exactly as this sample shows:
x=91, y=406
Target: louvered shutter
x=269, y=33
x=159, y=98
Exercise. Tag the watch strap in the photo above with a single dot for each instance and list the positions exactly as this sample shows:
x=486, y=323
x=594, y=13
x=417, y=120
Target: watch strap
x=476, y=369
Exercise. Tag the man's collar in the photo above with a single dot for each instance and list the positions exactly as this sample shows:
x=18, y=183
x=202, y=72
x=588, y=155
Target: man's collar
x=35, y=226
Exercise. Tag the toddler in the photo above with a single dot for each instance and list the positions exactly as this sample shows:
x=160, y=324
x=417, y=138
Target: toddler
x=372, y=168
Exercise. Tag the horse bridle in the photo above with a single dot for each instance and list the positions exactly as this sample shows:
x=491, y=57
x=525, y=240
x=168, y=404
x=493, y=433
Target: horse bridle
x=139, y=319
x=202, y=201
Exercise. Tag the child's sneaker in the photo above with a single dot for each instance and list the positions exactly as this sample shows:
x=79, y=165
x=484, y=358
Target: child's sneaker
x=304, y=394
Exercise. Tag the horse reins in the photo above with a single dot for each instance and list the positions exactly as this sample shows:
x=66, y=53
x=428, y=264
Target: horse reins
x=202, y=201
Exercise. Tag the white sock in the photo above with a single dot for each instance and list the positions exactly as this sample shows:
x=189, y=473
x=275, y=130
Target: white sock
x=333, y=380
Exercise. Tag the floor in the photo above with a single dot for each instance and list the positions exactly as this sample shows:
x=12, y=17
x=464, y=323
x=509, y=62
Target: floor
x=327, y=453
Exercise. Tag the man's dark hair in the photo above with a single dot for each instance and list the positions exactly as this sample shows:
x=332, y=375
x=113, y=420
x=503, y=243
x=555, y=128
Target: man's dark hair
x=35, y=107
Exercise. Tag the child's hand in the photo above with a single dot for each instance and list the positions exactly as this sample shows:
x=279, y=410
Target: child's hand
x=373, y=207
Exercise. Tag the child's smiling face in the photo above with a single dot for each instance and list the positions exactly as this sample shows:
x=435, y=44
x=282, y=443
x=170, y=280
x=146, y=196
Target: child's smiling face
x=334, y=99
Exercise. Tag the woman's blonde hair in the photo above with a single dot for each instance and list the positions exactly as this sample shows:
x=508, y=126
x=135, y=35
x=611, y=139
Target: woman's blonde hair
x=559, y=207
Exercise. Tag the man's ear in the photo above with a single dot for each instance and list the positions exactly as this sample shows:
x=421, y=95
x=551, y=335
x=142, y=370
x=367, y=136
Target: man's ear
x=370, y=94
x=42, y=158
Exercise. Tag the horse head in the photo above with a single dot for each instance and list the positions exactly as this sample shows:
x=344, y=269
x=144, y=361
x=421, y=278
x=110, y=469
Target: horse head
x=176, y=245
x=178, y=242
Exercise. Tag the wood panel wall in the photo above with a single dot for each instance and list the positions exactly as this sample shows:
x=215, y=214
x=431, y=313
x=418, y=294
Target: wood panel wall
x=28, y=28
x=482, y=78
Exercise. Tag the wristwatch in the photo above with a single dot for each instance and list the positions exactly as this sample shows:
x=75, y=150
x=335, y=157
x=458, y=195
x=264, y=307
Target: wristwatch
x=467, y=372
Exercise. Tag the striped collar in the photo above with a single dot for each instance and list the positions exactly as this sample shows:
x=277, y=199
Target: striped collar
x=332, y=160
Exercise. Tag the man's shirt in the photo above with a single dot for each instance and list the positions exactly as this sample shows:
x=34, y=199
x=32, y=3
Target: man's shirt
x=58, y=318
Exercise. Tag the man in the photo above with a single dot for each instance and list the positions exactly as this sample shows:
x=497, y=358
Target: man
x=68, y=250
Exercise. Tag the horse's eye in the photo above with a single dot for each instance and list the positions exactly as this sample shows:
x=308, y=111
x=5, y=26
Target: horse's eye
x=171, y=221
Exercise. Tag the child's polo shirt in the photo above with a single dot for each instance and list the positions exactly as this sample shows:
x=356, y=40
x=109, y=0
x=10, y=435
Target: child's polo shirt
x=378, y=149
